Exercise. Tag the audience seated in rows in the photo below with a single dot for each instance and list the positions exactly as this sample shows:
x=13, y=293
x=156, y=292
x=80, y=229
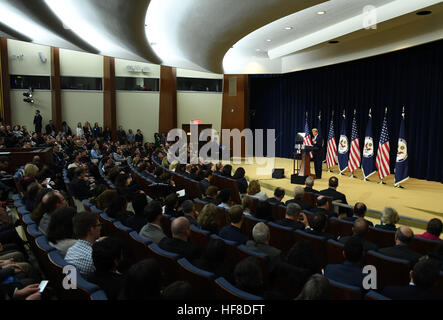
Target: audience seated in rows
x=389, y=218
x=254, y=190
x=298, y=195
x=433, y=230
x=359, y=212
x=61, y=229
x=294, y=218
x=153, y=231
x=322, y=207
x=332, y=192
x=309, y=184
x=359, y=230
x=233, y=231
x=279, y=194
x=262, y=236
x=207, y=218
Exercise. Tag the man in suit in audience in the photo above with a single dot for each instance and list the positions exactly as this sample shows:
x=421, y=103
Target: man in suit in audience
x=322, y=207
x=423, y=279
x=298, y=195
x=206, y=182
x=359, y=212
x=309, y=184
x=359, y=230
x=153, y=229
x=38, y=122
x=318, y=226
x=179, y=241
x=233, y=231
x=279, y=194
x=294, y=218
x=79, y=185
x=50, y=127
x=350, y=272
x=190, y=212
x=332, y=191
x=262, y=236
x=403, y=236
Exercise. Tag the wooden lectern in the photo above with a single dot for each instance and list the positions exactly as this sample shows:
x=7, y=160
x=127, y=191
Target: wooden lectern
x=304, y=170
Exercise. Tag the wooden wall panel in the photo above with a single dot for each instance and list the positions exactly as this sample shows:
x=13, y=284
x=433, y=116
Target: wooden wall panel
x=5, y=86
x=56, y=88
x=235, y=101
x=109, y=102
x=168, y=99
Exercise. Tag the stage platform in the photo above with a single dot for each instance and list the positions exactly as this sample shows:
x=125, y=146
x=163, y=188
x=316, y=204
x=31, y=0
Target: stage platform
x=419, y=199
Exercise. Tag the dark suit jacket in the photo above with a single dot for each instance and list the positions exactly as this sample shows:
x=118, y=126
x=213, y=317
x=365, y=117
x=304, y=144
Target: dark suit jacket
x=111, y=283
x=50, y=128
x=80, y=189
x=310, y=190
x=301, y=203
x=334, y=194
x=353, y=218
x=367, y=245
x=401, y=252
x=233, y=233
x=183, y=248
x=136, y=222
x=38, y=123
x=320, y=234
x=204, y=184
x=275, y=202
x=347, y=272
x=242, y=185
x=410, y=292
x=318, y=143
x=329, y=214
x=291, y=223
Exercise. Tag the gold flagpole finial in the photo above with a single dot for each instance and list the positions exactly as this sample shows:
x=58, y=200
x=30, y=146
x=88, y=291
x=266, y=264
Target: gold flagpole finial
x=370, y=112
x=386, y=111
x=355, y=112
x=344, y=113
x=403, y=112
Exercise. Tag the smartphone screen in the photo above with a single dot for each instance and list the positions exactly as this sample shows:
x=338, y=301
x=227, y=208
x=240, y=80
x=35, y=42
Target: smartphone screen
x=181, y=193
x=42, y=285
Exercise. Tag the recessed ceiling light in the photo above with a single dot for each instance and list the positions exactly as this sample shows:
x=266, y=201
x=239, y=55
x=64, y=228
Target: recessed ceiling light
x=257, y=50
x=289, y=28
x=423, y=13
x=321, y=12
x=333, y=41
x=268, y=40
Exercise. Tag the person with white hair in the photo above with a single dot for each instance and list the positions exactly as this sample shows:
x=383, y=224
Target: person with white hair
x=309, y=184
x=262, y=236
x=298, y=195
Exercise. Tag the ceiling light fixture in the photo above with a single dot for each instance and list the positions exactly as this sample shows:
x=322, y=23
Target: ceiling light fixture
x=268, y=40
x=321, y=12
x=289, y=28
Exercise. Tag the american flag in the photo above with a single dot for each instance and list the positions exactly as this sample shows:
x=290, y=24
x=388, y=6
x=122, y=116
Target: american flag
x=382, y=162
x=331, y=157
x=355, y=156
x=307, y=141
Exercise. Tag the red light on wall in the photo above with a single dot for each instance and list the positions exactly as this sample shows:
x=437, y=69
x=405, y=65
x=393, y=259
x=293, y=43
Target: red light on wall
x=196, y=121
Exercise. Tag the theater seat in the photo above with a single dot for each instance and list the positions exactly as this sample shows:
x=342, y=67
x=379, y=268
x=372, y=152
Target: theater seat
x=27, y=220
x=341, y=291
x=244, y=252
x=168, y=263
x=248, y=224
x=199, y=237
x=107, y=221
x=87, y=205
x=226, y=291
x=281, y=237
x=139, y=246
x=201, y=281
x=382, y=238
x=390, y=271
x=99, y=295
x=232, y=248
x=373, y=295
x=42, y=248
x=335, y=252
x=318, y=244
x=423, y=246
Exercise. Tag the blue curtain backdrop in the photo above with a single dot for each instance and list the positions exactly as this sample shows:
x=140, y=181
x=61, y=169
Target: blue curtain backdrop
x=411, y=77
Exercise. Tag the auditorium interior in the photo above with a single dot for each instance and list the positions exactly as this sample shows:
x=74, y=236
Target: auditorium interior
x=331, y=162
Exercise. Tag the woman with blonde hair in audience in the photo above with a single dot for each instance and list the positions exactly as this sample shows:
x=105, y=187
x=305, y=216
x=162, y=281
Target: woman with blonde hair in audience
x=254, y=190
x=207, y=218
x=30, y=173
x=390, y=218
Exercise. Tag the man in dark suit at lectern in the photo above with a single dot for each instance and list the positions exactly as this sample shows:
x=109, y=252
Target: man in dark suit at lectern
x=317, y=141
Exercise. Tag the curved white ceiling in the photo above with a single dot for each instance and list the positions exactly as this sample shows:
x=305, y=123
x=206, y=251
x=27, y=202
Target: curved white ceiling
x=200, y=34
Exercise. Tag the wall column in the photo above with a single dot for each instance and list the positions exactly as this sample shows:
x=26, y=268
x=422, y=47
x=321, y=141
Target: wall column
x=5, y=100
x=109, y=103
x=235, y=101
x=168, y=100
x=56, y=88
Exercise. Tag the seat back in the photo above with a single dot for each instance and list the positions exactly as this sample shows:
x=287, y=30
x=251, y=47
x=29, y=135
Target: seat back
x=122, y=232
x=98, y=295
x=168, y=263
x=339, y=227
x=87, y=205
x=107, y=224
x=42, y=248
x=201, y=280
x=199, y=237
x=165, y=222
x=309, y=198
x=390, y=271
x=341, y=291
x=232, y=248
x=374, y=295
x=244, y=252
x=318, y=244
x=382, y=238
x=57, y=278
x=226, y=291
x=248, y=224
x=335, y=252
x=222, y=218
x=281, y=237
x=139, y=246
x=199, y=204
x=32, y=233
x=226, y=183
x=423, y=246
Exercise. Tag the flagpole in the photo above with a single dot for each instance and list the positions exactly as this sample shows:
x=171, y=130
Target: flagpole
x=352, y=173
x=403, y=118
x=386, y=112
x=370, y=116
x=329, y=169
x=344, y=117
